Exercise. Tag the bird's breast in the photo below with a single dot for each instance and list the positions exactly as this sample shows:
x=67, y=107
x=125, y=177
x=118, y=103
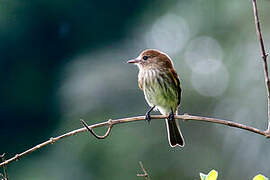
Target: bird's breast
x=158, y=89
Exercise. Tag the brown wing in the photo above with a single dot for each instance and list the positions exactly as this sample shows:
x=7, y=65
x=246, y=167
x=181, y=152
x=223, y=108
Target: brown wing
x=177, y=84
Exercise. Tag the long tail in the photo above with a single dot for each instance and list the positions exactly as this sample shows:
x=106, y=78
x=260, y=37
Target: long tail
x=174, y=134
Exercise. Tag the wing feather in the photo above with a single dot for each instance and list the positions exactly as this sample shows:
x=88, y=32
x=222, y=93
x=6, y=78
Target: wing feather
x=177, y=84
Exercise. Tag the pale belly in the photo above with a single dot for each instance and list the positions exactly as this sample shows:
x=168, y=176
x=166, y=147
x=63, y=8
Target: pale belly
x=160, y=94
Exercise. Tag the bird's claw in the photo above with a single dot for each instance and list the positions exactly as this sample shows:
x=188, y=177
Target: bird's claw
x=171, y=116
x=148, y=117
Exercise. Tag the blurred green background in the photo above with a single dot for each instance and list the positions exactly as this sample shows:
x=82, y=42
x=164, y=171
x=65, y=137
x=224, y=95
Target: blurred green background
x=64, y=60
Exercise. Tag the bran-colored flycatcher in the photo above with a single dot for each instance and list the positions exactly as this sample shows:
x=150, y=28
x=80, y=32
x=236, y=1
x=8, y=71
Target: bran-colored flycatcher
x=161, y=86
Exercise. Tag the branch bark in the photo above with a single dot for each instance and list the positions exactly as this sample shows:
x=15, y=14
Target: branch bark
x=264, y=58
x=110, y=123
x=4, y=167
x=145, y=174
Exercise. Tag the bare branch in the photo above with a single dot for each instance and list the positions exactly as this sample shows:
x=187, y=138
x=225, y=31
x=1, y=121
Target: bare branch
x=93, y=133
x=264, y=57
x=4, y=167
x=133, y=119
x=145, y=174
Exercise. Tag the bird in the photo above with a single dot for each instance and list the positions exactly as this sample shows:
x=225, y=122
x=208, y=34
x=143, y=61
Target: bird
x=160, y=83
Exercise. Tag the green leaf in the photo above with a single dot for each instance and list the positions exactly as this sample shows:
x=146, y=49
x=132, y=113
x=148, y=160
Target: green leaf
x=212, y=175
x=260, y=177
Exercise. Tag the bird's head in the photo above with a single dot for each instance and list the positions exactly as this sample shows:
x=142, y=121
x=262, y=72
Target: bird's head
x=151, y=58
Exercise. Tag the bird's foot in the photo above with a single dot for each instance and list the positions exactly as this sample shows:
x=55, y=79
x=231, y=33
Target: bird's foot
x=171, y=116
x=148, y=116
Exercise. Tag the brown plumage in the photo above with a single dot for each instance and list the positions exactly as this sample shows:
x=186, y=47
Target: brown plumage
x=161, y=86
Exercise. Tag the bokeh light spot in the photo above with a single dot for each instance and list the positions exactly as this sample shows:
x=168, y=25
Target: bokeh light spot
x=169, y=33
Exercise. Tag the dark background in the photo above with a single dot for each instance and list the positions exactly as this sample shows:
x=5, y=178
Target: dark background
x=63, y=60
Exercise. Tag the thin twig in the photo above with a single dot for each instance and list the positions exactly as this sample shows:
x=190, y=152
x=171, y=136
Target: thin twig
x=264, y=57
x=145, y=174
x=133, y=119
x=93, y=133
x=4, y=167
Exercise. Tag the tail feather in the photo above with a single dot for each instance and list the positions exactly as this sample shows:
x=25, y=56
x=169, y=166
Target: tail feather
x=174, y=134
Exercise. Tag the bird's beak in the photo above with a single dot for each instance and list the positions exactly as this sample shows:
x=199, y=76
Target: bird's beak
x=134, y=61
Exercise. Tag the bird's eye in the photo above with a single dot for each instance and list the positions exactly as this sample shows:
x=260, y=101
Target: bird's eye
x=145, y=57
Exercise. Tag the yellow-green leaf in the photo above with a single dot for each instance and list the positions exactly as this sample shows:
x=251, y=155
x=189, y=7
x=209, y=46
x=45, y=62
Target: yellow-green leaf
x=260, y=177
x=212, y=175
